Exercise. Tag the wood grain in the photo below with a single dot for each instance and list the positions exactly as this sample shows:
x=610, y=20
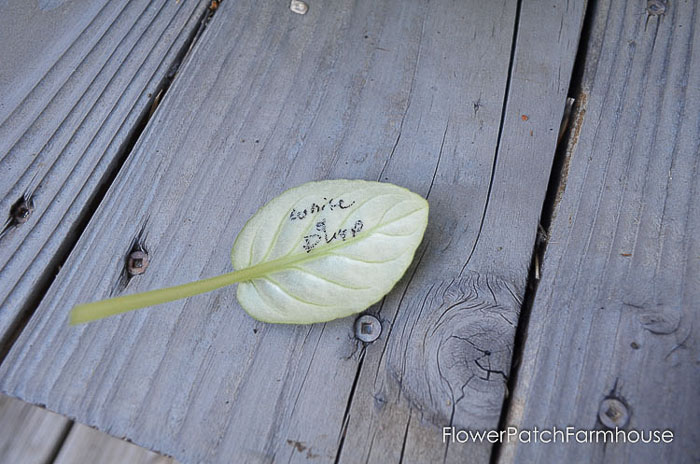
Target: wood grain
x=29, y=434
x=32, y=435
x=85, y=444
x=450, y=343
x=616, y=313
x=75, y=80
x=407, y=92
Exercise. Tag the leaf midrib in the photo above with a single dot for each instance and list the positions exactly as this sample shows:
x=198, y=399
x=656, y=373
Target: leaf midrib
x=281, y=264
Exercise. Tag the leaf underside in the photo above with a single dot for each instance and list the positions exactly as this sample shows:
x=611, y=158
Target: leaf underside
x=327, y=249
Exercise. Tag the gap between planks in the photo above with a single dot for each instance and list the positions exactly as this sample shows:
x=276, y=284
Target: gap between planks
x=568, y=136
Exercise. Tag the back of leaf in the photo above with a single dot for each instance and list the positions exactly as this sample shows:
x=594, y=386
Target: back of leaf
x=329, y=248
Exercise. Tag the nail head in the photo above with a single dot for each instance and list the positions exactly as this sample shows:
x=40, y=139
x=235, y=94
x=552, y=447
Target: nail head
x=367, y=328
x=299, y=7
x=22, y=210
x=656, y=7
x=137, y=262
x=613, y=413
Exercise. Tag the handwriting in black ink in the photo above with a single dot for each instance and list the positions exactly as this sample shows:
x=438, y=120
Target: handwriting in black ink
x=295, y=215
x=311, y=240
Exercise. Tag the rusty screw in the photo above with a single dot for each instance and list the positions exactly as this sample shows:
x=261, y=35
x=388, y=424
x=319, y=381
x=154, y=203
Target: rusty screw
x=22, y=210
x=137, y=263
x=656, y=7
x=613, y=413
x=367, y=328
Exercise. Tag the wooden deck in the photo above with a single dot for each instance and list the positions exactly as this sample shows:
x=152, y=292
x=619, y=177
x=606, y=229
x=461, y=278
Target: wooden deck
x=556, y=141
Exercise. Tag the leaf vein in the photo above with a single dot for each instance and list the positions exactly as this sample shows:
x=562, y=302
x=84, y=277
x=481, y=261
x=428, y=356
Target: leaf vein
x=360, y=260
x=294, y=297
x=326, y=279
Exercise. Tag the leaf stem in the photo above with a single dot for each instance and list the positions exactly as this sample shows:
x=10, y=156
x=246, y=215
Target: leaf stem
x=92, y=311
x=88, y=312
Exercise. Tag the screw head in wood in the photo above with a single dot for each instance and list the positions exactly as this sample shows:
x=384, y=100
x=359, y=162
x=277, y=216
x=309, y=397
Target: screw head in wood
x=22, y=210
x=299, y=7
x=656, y=7
x=613, y=413
x=137, y=262
x=367, y=328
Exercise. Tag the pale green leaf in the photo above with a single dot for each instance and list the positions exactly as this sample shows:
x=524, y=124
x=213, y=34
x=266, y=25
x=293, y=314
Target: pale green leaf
x=335, y=248
x=317, y=252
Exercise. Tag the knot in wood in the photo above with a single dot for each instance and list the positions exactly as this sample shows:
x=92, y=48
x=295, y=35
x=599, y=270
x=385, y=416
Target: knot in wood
x=661, y=319
x=453, y=358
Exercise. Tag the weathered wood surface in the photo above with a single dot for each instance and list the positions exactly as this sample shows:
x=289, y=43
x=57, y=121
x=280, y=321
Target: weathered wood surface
x=616, y=314
x=406, y=92
x=75, y=78
x=32, y=435
x=84, y=445
x=450, y=344
x=29, y=434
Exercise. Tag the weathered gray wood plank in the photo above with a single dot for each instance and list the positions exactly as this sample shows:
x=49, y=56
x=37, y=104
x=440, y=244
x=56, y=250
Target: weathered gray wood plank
x=446, y=358
x=75, y=79
x=29, y=434
x=616, y=314
x=407, y=92
x=85, y=444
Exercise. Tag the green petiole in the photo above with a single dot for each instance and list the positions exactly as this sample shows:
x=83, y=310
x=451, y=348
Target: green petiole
x=88, y=312
x=92, y=311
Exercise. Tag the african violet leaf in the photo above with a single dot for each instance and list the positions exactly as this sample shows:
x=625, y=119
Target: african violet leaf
x=327, y=249
x=317, y=252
